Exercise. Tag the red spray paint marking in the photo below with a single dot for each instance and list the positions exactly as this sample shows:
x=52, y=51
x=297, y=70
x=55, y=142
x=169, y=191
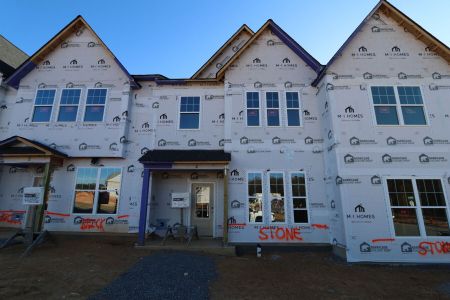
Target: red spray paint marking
x=382, y=240
x=279, y=234
x=433, y=248
x=57, y=214
x=87, y=224
x=320, y=226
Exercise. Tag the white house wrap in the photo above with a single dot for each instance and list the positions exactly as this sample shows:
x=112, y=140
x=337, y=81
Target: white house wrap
x=270, y=145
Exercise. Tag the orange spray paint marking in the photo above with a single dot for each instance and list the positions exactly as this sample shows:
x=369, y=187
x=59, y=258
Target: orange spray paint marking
x=9, y=218
x=382, y=240
x=87, y=224
x=279, y=234
x=433, y=248
x=320, y=226
x=57, y=214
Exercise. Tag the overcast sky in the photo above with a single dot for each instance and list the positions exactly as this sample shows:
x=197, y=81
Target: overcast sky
x=175, y=38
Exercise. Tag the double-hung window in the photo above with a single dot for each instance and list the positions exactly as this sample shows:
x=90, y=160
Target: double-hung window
x=273, y=109
x=190, y=113
x=411, y=103
x=418, y=207
x=398, y=106
x=97, y=190
x=255, y=197
x=43, y=105
x=293, y=109
x=277, y=197
x=68, y=106
x=253, y=107
x=299, y=199
x=95, y=105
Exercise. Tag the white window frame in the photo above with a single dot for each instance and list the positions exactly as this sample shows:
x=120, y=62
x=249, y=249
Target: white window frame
x=300, y=110
x=96, y=192
x=270, y=197
x=291, y=194
x=267, y=108
x=398, y=106
x=418, y=207
x=86, y=105
x=53, y=105
x=247, y=108
x=78, y=106
x=247, y=196
x=190, y=112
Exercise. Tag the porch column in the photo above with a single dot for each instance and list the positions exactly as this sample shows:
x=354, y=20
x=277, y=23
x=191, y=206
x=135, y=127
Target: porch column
x=144, y=205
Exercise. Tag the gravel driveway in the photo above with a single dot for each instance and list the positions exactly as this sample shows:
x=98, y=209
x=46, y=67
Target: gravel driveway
x=164, y=275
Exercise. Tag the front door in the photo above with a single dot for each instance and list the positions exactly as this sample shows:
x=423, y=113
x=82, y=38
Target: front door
x=202, y=208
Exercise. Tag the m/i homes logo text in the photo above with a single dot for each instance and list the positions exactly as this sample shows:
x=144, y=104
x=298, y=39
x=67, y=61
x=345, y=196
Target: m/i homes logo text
x=364, y=53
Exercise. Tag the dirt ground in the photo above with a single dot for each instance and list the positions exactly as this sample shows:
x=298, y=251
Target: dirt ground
x=71, y=267
x=319, y=275
x=75, y=267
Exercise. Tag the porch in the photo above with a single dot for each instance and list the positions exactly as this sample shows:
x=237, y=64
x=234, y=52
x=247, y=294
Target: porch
x=184, y=187
x=203, y=244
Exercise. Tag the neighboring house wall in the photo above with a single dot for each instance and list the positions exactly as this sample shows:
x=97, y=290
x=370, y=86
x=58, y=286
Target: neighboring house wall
x=10, y=58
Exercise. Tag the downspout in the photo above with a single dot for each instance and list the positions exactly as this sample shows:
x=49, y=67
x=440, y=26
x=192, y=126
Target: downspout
x=225, y=205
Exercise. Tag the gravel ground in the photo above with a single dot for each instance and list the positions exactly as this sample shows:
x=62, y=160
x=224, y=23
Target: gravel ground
x=164, y=275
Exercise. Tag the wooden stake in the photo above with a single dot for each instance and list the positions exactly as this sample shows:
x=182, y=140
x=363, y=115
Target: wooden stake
x=39, y=220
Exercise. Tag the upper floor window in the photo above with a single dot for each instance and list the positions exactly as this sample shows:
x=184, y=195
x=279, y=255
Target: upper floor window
x=190, y=113
x=273, y=109
x=293, y=109
x=68, y=106
x=401, y=106
x=97, y=190
x=43, y=105
x=253, y=107
x=95, y=105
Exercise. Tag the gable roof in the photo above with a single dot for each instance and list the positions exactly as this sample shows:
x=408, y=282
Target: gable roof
x=403, y=20
x=10, y=54
x=30, y=148
x=282, y=35
x=77, y=23
x=243, y=28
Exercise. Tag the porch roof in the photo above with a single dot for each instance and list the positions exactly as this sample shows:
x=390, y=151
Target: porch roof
x=20, y=146
x=173, y=156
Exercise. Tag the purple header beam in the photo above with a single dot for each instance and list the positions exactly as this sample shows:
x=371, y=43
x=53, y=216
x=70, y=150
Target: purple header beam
x=294, y=46
x=16, y=77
